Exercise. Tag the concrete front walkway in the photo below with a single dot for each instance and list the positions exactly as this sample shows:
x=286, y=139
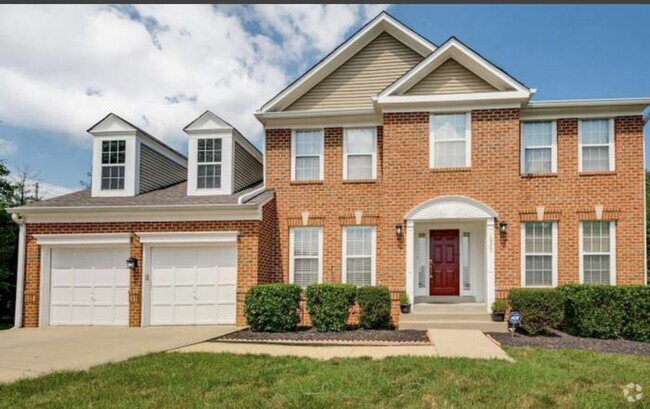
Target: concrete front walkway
x=29, y=352
x=446, y=343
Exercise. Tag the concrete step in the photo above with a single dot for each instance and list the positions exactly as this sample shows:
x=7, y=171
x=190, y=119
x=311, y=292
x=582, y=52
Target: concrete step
x=479, y=325
x=450, y=316
x=449, y=308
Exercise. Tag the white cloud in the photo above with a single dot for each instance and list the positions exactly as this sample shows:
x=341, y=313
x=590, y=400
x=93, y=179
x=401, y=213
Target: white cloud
x=7, y=148
x=64, y=67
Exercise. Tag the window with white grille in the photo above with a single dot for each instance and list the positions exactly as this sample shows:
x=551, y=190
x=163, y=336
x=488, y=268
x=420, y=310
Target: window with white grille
x=359, y=255
x=307, y=155
x=113, y=164
x=306, y=255
x=208, y=161
x=539, y=254
x=538, y=147
x=359, y=157
x=596, y=145
x=450, y=140
x=597, y=252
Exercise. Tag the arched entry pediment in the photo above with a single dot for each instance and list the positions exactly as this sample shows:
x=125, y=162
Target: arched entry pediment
x=451, y=207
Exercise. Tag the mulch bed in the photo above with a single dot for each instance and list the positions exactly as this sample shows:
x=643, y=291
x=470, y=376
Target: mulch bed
x=559, y=340
x=311, y=336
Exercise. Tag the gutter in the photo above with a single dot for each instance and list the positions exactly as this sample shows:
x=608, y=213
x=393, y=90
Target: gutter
x=250, y=195
x=20, y=273
x=126, y=208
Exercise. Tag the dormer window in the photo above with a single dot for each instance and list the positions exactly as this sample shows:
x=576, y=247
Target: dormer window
x=209, y=164
x=113, y=164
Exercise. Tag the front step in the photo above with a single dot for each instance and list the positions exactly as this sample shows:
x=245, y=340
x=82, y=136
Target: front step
x=479, y=325
x=448, y=316
x=449, y=308
x=451, y=316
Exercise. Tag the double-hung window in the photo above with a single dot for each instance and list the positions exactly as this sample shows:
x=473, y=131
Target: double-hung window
x=597, y=258
x=307, y=155
x=538, y=147
x=113, y=164
x=359, y=255
x=306, y=248
x=208, y=159
x=450, y=140
x=359, y=154
x=596, y=150
x=539, y=254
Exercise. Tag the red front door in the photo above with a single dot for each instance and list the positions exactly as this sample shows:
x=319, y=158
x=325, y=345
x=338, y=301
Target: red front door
x=443, y=263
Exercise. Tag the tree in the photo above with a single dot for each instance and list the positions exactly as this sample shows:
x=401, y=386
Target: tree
x=8, y=245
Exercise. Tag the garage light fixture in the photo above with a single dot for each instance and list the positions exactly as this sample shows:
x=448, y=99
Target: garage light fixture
x=132, y=262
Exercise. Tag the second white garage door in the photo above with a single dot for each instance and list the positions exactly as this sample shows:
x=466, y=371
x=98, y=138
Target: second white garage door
x=193, y=285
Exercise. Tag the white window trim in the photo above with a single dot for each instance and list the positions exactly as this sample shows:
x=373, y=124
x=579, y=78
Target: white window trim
x=467, y=140
x=227, y=154
x=346, y=154
x=211, y=163
x=612, y=251
x=611, y=145
x=373, y=254
x=321, y=161
x=522, y=153
x=320, y=253
x=131, y=164
x=554, y=256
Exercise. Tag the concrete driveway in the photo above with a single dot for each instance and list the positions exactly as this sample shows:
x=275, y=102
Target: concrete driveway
x=29, y=352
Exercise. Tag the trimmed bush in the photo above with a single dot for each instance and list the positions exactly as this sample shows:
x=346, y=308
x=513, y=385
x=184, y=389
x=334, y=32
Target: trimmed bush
x=329, y=305
x=602, y=311
x=541, y=309
x=273, y=307
x=375, y=305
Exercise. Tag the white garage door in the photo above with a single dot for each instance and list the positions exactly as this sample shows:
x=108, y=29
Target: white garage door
x=89, y=286
x=193, y=285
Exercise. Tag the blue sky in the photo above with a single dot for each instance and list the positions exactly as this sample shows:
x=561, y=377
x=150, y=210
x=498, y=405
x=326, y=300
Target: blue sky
x=592, y=51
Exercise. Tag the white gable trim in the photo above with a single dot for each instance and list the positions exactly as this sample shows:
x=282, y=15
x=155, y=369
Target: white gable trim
x=382, y=23
x=451, y=207
x=464, y=56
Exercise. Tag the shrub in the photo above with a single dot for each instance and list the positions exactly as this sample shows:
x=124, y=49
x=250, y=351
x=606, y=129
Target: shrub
x=541, y=309
x=329, y=305
x=499, y=306
x=602, y=311
x=272, y=307
x=375, y=305
x=404, y=299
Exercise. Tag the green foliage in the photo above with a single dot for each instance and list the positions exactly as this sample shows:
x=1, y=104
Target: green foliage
x=541, y=309
x=600, y=311
x=375, y=305
x=500, y=306
x=273, y=307
x=404, y=298
x=8, y=245
x=329, y=305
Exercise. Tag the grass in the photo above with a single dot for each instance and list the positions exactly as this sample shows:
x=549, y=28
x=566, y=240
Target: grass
x=539, y=379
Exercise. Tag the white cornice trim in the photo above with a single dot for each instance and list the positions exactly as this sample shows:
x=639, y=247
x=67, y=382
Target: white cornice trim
x=585, y=108
x=590, y=102
x=188, y=237
x=88, y=239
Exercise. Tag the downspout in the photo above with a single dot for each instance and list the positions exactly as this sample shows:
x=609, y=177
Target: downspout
x=20, y=272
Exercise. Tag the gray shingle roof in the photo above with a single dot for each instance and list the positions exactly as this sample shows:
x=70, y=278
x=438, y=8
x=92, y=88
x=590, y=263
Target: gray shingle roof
x=174, y=195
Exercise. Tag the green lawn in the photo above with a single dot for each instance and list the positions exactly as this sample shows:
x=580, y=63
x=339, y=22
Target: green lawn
x=539, y=379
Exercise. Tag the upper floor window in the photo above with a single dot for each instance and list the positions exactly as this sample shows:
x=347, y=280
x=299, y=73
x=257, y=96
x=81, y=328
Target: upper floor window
x=306, y=261
x=597, y=248
x=208, y=161
x=359, y=255
x=596, y=150
x=450, y=140
x=359, y=153
x=307, y=155
x=539, y=254
x=113, y=164
x=538, y=147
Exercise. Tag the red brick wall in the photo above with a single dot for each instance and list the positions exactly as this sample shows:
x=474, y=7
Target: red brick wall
x=253, y=265
x=405, y=180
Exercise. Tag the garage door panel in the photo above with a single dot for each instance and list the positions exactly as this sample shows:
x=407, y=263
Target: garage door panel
x=184, y=276
x=206, y=276
x=83, y=277
x=228, y=312
x=163, y=276
x=226, y=294
x=227, y=276
x=183, y=295
x=226, y=257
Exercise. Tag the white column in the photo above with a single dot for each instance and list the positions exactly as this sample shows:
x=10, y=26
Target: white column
x=489, y=262
x=410, y=261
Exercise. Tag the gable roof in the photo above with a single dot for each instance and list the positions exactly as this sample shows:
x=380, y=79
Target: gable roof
x=450, y=78
x=384, y=22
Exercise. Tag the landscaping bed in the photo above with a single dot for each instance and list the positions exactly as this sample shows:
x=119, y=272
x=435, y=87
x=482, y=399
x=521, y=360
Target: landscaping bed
x=354, y=336
x=560, y=340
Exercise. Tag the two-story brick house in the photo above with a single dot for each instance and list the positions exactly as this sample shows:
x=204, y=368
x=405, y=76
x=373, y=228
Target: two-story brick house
x=392, y=161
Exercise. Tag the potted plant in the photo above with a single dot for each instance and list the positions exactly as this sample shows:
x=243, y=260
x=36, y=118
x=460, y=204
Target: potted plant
x=404, y=303
x=499, y=310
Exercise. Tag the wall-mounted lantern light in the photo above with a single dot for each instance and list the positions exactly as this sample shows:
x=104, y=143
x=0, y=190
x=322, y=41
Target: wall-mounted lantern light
x=131, y=262
x=503, y=227
x=398, y=230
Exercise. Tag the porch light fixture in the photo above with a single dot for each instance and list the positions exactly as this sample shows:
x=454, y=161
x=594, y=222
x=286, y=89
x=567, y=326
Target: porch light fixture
x=503, y=227
x=131, y=263
x=398, y=230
